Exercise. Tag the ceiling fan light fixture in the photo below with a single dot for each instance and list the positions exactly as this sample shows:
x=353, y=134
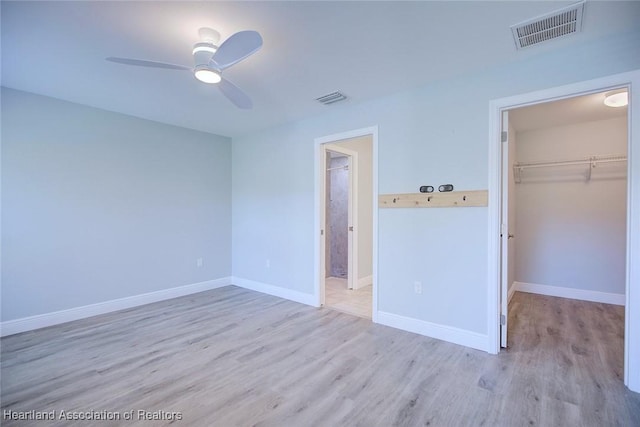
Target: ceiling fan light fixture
x=205, y=47
x=209, y=35
x=209, y=66
x=207, y=75
x=616, y=99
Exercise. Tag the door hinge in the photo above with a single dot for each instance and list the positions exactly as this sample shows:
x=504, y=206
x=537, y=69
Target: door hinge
x=504, y=136
x=503, y=320
x=322, y=232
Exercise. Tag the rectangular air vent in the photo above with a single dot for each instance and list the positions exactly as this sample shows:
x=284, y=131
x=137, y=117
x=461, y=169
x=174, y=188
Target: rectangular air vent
x=331, y=98
x=559, y=23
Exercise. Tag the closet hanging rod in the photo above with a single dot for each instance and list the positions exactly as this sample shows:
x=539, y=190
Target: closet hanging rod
x=345, y=167
x=591, y=160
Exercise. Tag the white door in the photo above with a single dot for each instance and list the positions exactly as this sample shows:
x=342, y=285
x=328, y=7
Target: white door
x=506, y=231
x=350, y=230
x=351, y=261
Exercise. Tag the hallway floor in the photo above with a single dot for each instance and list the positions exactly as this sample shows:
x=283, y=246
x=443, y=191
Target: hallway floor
x=338, y=297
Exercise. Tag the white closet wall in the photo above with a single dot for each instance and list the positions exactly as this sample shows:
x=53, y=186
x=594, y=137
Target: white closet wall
x=570, y=229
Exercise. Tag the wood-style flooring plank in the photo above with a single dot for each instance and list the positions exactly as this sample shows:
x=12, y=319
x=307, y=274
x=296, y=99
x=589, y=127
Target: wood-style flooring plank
x=234, y=357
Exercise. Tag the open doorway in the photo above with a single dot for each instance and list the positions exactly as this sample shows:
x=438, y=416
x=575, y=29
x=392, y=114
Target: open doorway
x=338, y=217
x=346, y=208
x=565, y=205
x=499, y=232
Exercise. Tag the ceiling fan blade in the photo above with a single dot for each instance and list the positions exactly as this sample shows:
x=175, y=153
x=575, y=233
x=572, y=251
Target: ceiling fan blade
x=143, y=63
x=235, y=95
x=236, y=48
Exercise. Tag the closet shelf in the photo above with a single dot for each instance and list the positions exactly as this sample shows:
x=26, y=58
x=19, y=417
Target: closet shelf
x=592, y=161
x=434, y=200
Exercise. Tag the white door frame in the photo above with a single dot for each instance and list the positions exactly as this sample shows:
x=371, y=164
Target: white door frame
x=352, y=233
x=630, y=80
x=504, y=231
x=320, y=165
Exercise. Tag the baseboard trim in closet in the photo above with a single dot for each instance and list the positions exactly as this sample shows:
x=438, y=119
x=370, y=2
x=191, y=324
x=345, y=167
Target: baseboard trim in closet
x=579, y=294
x=512, y=291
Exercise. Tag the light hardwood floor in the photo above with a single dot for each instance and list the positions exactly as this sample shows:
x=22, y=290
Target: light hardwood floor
x=351, y=301
x=233, y=357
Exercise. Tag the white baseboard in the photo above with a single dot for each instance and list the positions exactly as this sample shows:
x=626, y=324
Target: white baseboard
x=512, y=290
x=277, y=291
x=24, y=324
x=365, y=281
x=434, y=330
x=445, y=333
x=580, y=294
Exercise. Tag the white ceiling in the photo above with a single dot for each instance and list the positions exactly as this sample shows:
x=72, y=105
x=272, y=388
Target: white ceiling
x=364, y=49
x=586, y=108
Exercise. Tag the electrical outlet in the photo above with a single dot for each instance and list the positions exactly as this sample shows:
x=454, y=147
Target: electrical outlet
x=268, y=263
x=199, y=262
x=417, y=287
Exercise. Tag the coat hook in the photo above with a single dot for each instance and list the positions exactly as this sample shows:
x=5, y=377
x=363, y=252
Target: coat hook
x=464, y=198
x=394, y=200
x=429, y=199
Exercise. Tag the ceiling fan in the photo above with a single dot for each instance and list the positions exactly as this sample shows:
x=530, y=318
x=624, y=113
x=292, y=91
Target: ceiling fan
x=211, y=60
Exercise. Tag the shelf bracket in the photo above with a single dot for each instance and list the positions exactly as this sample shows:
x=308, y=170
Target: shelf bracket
x=517, y=174
x=592, y=164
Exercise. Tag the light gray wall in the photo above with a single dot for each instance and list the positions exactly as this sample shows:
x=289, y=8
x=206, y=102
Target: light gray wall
x=572, y=232
x=437, y=134
x=99, y=206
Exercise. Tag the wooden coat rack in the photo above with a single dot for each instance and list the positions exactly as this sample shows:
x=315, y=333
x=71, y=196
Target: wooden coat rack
x=450, y=199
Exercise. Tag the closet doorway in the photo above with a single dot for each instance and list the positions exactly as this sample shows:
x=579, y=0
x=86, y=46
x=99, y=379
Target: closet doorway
x=498, y=170
x=565, y=205
x=346, y=208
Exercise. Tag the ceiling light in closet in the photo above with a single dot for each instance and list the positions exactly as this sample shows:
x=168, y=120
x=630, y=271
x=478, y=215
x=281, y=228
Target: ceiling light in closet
x=616, y=99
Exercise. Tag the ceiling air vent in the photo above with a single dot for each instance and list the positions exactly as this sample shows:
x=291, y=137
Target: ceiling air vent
x=331, y=98
x=559, y=23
